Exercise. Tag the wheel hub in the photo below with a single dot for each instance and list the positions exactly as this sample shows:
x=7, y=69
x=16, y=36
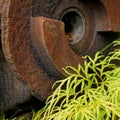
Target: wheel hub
x=75, y=25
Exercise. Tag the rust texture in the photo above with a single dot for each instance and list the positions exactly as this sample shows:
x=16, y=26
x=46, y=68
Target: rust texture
x=51, y=45
x=13, y=91
x=112, y=7
x=40, y=37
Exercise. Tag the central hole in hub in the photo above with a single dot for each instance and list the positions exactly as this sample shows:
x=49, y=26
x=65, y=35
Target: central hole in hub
x=74, y=26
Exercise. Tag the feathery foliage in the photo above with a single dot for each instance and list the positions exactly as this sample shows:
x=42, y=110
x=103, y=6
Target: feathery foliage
x=89, y=92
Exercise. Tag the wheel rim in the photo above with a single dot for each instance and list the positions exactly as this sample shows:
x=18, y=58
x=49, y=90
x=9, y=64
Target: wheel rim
x=18, y=42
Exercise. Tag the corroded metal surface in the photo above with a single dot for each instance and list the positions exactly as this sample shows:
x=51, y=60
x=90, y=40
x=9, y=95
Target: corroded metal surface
x=12, y=90
x=112, y=9
x=1, y=5
x=35, y=48
x=52, y=46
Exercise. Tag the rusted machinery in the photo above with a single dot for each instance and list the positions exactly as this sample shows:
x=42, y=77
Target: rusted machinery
x=39, y=37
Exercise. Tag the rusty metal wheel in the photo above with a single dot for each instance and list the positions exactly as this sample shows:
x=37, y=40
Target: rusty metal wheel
x=39, y=37
x=78, y=17
x=85, y=21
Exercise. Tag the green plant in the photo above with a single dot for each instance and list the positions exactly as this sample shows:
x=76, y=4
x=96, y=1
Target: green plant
x=89, y=92
x=2, y=117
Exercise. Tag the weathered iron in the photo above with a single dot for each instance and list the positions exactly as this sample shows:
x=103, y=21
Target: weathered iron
x=34, y=49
